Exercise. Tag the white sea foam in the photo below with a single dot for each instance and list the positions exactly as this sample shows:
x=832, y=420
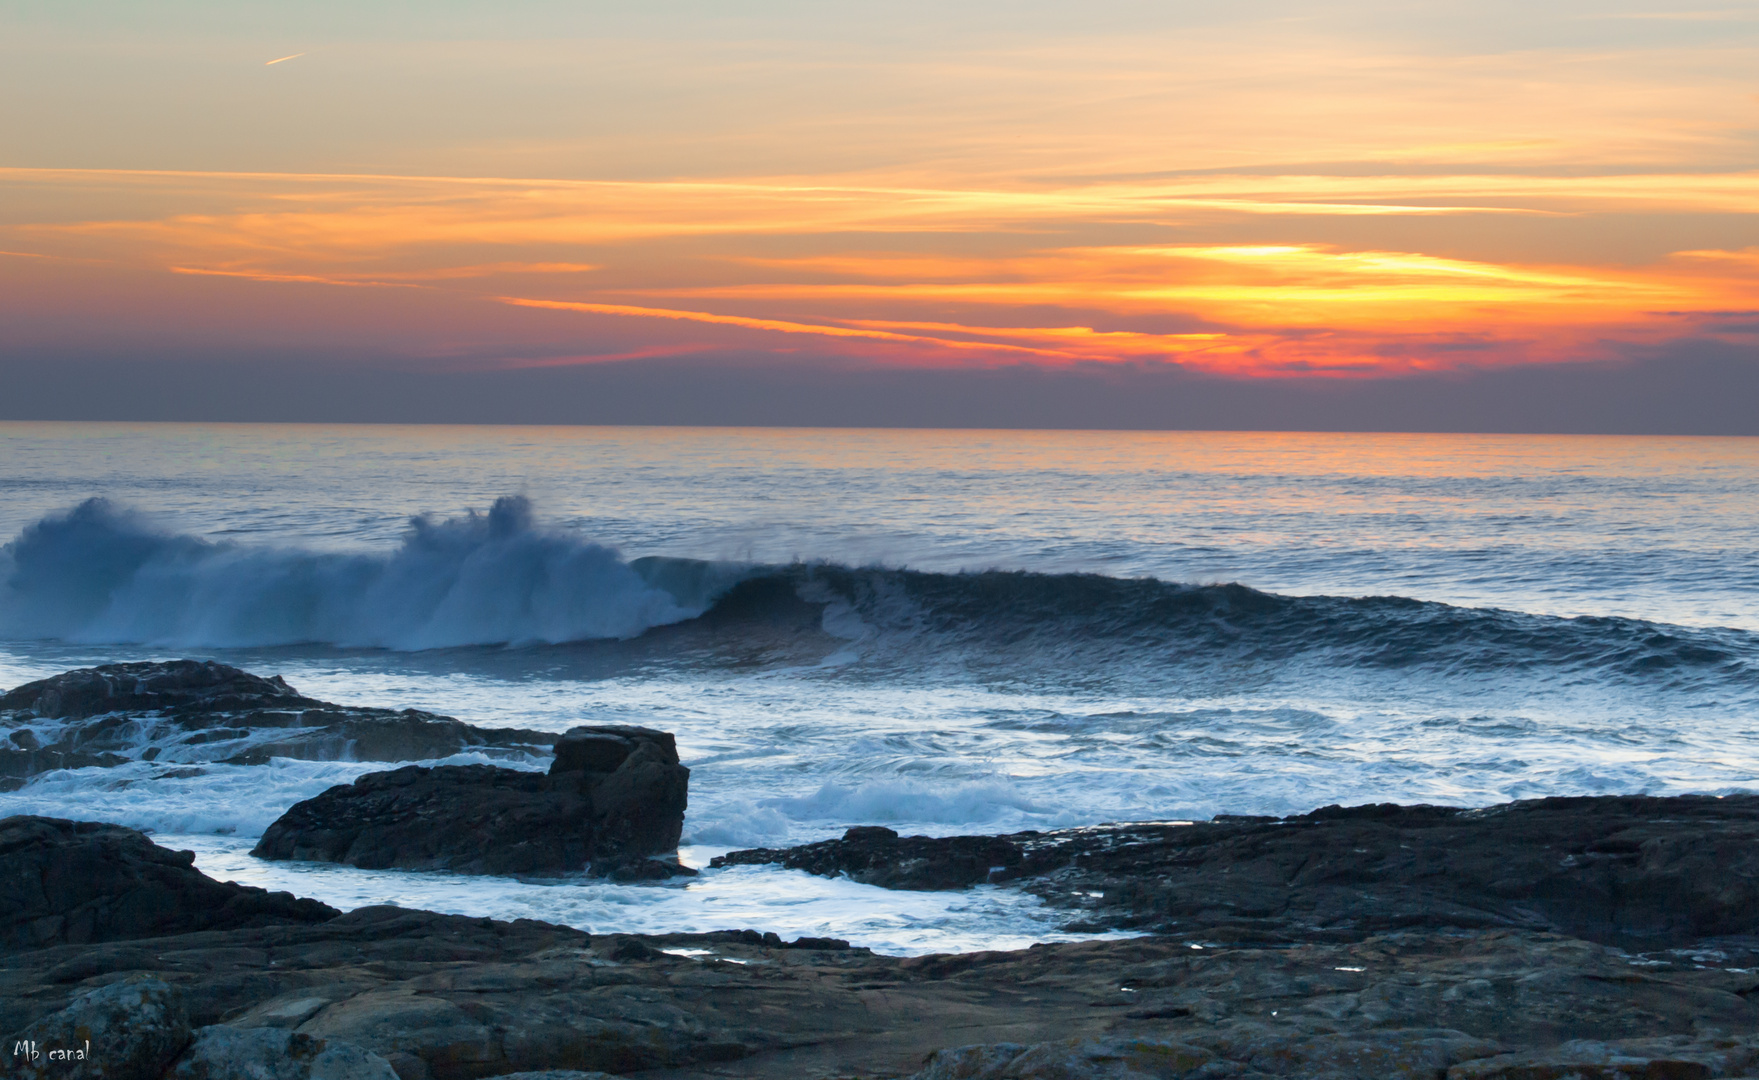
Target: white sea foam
x=763, y=898
x=102, y=574
x=223, y=800
x=944, y=806
x=929, y=702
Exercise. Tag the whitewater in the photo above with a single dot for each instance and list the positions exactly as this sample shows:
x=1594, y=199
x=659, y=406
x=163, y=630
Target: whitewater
x=938, y=631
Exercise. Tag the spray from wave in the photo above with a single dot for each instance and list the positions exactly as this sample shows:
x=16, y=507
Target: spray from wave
x=101, y=574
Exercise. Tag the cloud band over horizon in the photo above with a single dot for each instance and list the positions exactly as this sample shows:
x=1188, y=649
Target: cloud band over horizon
x=1279, y=194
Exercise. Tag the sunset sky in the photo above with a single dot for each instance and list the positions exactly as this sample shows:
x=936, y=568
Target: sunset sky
x=1270, y=198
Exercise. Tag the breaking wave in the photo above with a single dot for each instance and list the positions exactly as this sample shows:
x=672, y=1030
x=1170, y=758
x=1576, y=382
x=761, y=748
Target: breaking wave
x=101, y=574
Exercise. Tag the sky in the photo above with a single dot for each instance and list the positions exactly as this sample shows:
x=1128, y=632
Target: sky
x=1352, y=214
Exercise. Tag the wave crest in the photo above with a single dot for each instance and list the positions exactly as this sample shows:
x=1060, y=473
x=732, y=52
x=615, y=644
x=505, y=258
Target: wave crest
x=102, y=574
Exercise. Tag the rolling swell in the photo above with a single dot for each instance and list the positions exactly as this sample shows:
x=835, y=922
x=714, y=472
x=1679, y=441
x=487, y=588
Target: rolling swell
x=1089, y=617
x=101, y=574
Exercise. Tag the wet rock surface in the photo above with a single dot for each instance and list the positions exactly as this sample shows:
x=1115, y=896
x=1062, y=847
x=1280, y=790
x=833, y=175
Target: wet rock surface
x=80, y=882
x=186, y=712
x=614, y=796
x=875, y=855
x=1632, y=870
x=440, y=997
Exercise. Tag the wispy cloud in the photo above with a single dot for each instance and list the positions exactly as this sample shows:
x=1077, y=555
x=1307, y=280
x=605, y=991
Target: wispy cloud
x=1255, y=273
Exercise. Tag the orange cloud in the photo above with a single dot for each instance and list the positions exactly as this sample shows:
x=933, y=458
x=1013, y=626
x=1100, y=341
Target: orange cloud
x=921, y=274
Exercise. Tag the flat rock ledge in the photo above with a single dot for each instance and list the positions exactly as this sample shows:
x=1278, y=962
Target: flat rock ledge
x=1634, y=871
x=184, y=713
x=441, y=997
x=138, y=1029
x=613, y=799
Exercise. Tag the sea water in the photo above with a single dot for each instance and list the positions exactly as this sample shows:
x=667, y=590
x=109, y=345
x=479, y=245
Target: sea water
x=939, y=631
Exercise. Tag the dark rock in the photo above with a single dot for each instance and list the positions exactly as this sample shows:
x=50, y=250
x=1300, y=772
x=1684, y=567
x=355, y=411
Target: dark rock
x=1631, y=870
x=1678, y=1058
x=129, y=1030
x=639, y=801
x=193, y=712
x=452, y=998
x=874, y=855
x=603, y=748
x=480, y=819
x=639, y=868
x=1410, y=1054
x=624, y=949
x=79, y=882
x=177, y=685
x=228, y=1053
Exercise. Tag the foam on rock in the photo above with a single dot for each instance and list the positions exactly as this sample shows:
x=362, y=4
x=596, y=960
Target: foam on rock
x=191, y=712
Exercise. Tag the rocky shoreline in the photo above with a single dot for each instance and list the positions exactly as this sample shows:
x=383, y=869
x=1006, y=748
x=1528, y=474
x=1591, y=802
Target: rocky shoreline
x=1635, y=871
x=441, y=997
x=1593, y=938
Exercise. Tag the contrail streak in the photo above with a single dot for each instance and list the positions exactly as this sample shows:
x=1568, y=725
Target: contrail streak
x=295, y=56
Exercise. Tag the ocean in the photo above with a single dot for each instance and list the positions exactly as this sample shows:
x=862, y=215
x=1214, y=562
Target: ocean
x=939, y=631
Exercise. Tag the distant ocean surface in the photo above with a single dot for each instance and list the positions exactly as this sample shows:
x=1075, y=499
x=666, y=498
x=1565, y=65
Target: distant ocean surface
x=941, y=631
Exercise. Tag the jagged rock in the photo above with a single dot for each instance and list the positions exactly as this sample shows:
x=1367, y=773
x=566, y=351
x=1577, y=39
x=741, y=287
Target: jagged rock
x=228, y=1053
x=192, y=712
x=80, y=881
x=1633, y=870
x=129, y=1030
x=613, y=797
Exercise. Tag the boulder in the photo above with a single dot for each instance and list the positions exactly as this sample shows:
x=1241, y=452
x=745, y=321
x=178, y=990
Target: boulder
x=129, y=1030
x=185, y=712
x=638, y=788
x=228, y=1053
x=78, y=882
x=614, y=796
